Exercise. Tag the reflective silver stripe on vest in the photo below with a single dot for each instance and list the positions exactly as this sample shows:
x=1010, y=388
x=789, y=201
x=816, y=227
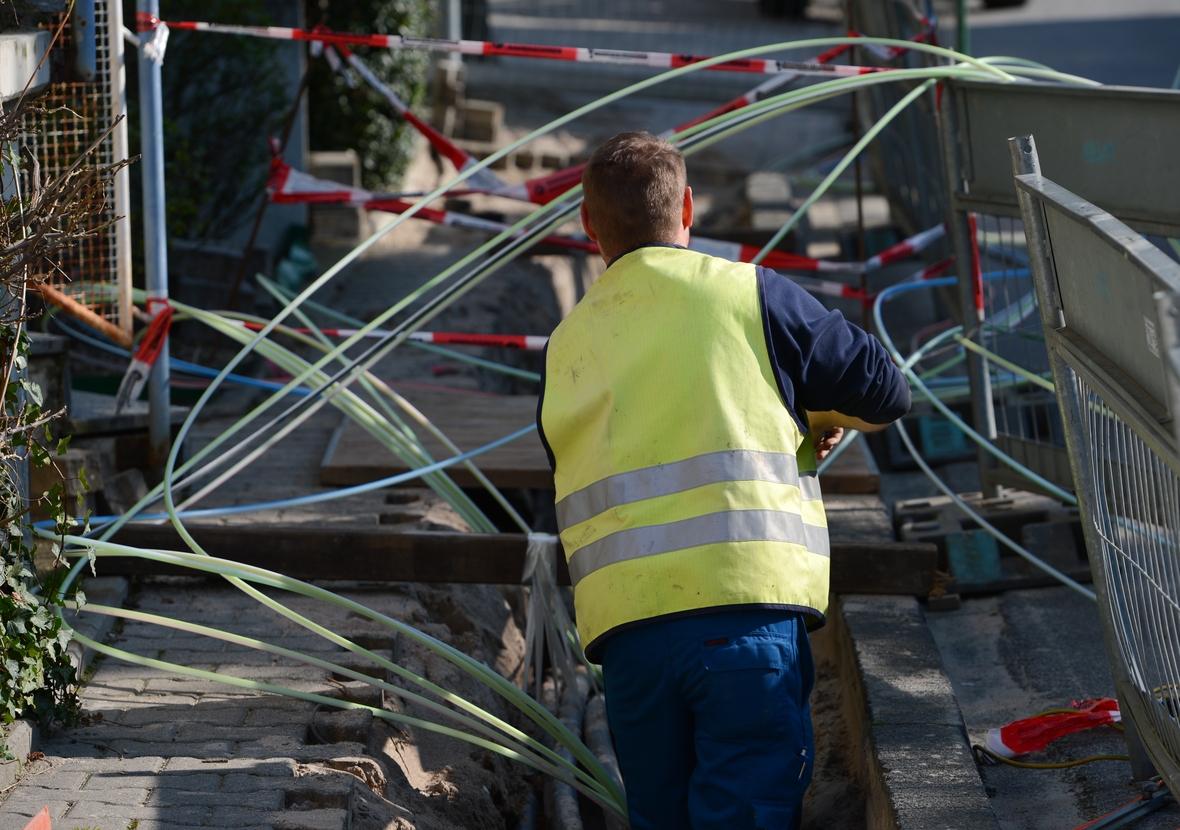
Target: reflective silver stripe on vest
x=678, y=476
x=714, y=528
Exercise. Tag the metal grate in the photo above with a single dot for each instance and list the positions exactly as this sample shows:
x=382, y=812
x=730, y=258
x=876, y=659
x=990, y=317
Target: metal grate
x=1027, y=419
x=76, y=115
x=1135, y=513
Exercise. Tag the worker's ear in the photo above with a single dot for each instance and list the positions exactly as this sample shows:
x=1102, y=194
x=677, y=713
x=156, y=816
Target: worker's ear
x=686, y=211
x=587, y=225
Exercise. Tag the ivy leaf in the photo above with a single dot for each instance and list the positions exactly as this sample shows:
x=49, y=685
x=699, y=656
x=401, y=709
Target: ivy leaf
x=63, y=444
x=82, y=478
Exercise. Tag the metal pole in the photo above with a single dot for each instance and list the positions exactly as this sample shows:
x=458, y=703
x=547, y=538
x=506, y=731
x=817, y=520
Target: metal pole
x=963, y=40
x=155, y=237
x=962, y=235
x=117, y=73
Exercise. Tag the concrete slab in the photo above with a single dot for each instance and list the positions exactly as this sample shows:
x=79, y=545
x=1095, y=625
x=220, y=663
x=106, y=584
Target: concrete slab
x=917, y=763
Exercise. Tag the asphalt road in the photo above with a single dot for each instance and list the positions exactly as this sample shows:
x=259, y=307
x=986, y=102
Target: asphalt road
x=1125, y=42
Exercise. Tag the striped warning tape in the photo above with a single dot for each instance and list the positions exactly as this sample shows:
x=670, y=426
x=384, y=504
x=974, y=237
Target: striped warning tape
x=576, y=54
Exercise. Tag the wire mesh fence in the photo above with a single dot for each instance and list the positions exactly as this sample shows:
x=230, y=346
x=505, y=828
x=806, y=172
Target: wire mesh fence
x=1117, y=400
x=1135, y=517
x=1027, y=419
x=76, y=114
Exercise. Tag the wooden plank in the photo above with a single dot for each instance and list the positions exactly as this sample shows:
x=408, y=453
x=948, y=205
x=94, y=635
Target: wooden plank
x=854, y=471
x=497, y=558
x=469, y=419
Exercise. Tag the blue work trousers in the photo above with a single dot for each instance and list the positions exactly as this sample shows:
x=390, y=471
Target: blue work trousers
x=711, y=719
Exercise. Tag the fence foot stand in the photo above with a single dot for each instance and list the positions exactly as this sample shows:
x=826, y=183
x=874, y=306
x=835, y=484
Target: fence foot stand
x=1142, y=767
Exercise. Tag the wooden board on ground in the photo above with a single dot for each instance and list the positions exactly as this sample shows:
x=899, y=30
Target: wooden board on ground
x=470, y=419
x=854, y=471
x=496, y=558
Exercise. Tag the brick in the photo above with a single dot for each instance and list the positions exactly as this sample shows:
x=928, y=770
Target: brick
x=151, y=715
x=287, y=820
x=211, y=749
x=273, y=674
x=311, y=820
x=276, y=701
x=208, y=732
x=106, y=733
x=18, y=810
x=305, y=754
x=140, y=765
x=260, y=798
x=190, y=781
x=217, y=715
x=242, y=783
x=73, y=749
x=264, y=718
x=322, y=791
x=195, y=659
x=268, y=766
x=65, y=779
x=113, y=795
x=193, y=642
x=109, y=712
x=245, y=657
x=174, y=685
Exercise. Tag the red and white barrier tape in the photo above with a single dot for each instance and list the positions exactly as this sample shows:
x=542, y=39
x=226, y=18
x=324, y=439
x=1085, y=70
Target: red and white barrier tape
x=526, y=342
x=482, y=180
x=576, y=54
x=146, y=355
x=1034, y=734
x=288, y=185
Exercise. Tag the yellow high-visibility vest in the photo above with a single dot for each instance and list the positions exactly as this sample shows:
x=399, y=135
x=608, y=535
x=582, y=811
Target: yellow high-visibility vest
x=683, y=482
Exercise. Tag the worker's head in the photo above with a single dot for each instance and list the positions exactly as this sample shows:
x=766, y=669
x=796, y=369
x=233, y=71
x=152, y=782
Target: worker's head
x=635, y=194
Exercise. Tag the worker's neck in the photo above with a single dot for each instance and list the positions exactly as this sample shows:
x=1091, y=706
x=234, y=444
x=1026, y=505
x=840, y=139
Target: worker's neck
x=681, y=241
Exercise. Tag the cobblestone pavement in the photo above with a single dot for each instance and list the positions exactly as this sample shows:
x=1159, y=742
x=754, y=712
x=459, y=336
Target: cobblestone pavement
x=161, y=750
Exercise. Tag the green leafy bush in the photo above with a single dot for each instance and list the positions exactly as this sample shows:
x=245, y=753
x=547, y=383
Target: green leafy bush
x=343, y=118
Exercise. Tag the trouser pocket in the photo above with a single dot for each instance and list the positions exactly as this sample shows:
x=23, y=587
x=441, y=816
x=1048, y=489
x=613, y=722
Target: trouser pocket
x=747, y=680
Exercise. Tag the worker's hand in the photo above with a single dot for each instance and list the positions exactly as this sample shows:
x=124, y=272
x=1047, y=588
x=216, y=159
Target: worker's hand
x=826, y=442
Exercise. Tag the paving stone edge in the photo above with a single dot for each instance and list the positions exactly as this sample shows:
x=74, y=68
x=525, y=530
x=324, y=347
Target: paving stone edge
x=916, y=761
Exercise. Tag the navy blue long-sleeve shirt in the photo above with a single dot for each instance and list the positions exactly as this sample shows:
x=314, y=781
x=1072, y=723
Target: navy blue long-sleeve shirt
x=822, y=362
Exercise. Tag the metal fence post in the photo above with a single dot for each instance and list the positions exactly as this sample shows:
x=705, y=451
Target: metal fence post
x=155, y=236
x=118, y=79
x=962, y=234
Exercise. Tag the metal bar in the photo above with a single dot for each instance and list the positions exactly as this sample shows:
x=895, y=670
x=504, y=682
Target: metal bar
x=962, y=234
x=155, y=235
x=118, y=92
x=963, y=32
x=1092, y=140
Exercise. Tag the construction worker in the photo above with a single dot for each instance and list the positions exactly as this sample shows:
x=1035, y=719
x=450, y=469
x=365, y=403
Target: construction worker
x=685, y=401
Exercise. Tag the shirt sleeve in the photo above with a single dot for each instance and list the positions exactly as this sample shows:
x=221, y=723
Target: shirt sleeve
x=823, y=362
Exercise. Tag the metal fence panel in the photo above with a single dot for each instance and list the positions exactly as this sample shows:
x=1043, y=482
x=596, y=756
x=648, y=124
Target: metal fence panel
x=77, y=113
x=1125, y=459
x=1093, y=140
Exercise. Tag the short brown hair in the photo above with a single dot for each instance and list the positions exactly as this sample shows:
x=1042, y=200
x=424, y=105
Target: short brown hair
x=634, y=190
